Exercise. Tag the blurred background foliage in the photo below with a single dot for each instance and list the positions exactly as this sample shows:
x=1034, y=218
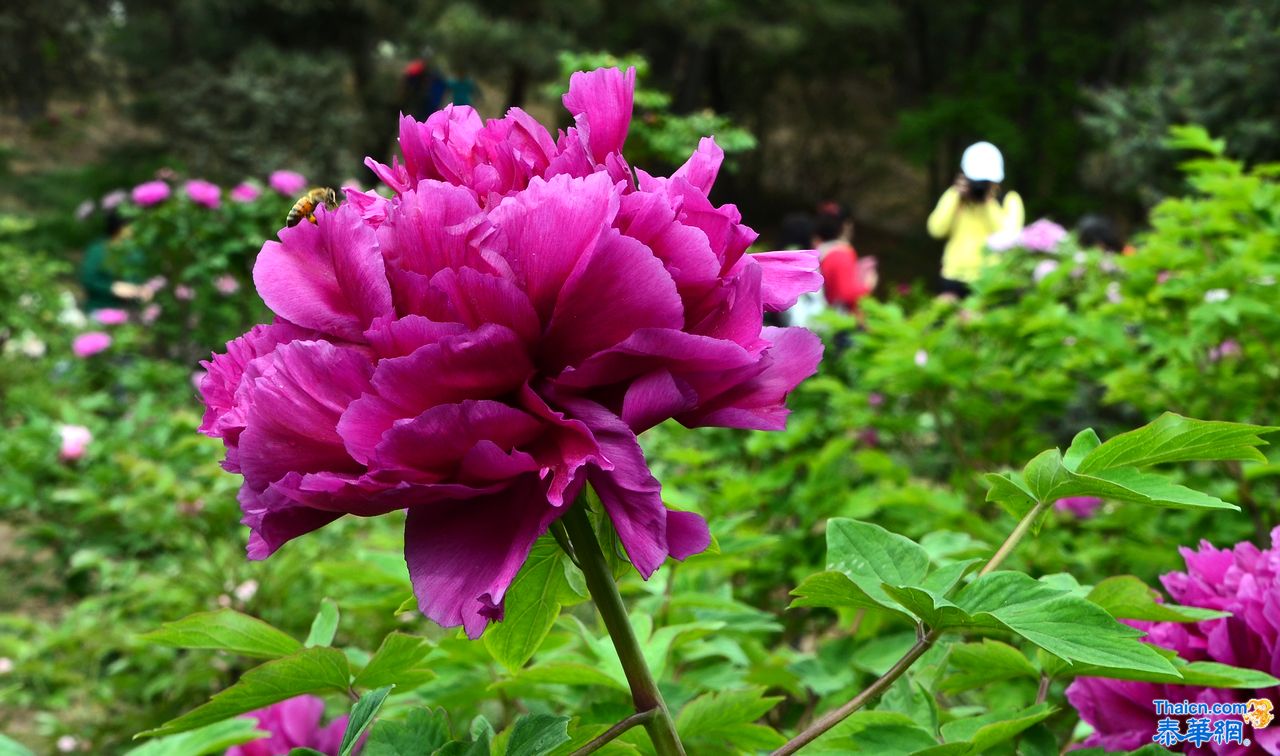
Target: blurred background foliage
x=869, y=103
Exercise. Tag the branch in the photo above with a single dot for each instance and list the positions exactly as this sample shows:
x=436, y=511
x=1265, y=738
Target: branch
x=639, y=718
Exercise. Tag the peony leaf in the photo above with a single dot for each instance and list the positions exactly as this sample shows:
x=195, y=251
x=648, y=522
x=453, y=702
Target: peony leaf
x=530, y=607
x=422, y=731
x=1127, y=597
x=1174, y=438
x=889, y=733
x=980, y=664
x=396, y=662
x=721, y=719
x=325, y=625
x=537, y=734
x=214, y=738
x=987, y=730
x=362, y=714
x=225, y=630
x=311, y=670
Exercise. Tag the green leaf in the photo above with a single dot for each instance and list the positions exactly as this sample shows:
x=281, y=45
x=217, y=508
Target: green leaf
x=1127, y=597
x=833, y=589
x=531, y=607
x=1174, y=438
x=537, y=735
x=312, y=670
x=1200, y=674
x=362, y=714
x=1057, y=621
x=875, y=732
x=225, y=630
x=300, y=751
x=869, y=556
x=396, y=662
x=568, y=673
x=728, y=717
x=930, y=608
x=983, y=732
x=214, y=738
x=944, y=578
x=1084, y=443
x=980, y=664
x=1010, y=491
x=11, y=747
x=422, y=731
x=324, y=626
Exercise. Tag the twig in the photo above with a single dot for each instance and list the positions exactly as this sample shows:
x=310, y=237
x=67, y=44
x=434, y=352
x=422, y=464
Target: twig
x=639, y=718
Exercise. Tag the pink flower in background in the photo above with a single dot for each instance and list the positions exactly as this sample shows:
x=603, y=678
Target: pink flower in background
x=204, y=193
x=1113, y=293
x=293, y=723
x=150, y=314
x=875, y=399
x=482, y=345
x=1042, y=236
x=1226, y=350
x=90, y=343
x=226, y=284
x=1244, y=581
x=921, y=358
x=183, y=293
x=154, y=285
x=1163, y=276
x=112, y=200
x=1082, y=507
x=165, y=173
x=150, y=193
x=1002, y=241
x=1043, y=269
x=110, y=316
x=85, y=209
x=75, y=439
x=288, y=183
x=245, y=192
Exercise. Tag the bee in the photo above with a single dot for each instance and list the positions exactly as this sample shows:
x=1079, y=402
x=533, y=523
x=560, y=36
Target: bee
x=306, y=205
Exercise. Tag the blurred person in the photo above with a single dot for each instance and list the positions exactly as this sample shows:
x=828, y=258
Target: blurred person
x=796, y=231
x=844, y=279
x=102, y=289
x=1099, y=231
x=422, y=87
x=971, y=211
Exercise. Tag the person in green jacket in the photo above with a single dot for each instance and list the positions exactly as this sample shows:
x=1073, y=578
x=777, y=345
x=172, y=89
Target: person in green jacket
x=969, y=213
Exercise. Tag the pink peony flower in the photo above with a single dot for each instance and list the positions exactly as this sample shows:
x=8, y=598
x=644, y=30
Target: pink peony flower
x=90, y=343
x=1244, y=581
x=150, y=193
x=1163, y=276
x=204, y=193
x=482, y=345
x=293, y=723
x=1113, y=293
x=150, y=314
x=245, y=192
x=875, y=399
x=110, y=316
x=288, y=183
x=1003, y=241
x=67, y=744
x=1042, y=236
x=184, y=293
x=1082, y=507
x=226, y=284
x=85, y=209
x=75, y=439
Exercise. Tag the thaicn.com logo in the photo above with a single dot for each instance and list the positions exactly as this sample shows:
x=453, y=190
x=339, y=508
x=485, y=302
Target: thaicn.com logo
x=1220, y=723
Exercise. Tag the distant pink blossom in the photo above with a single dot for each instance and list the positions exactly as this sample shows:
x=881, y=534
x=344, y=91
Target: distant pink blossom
x=1164, y=276
x=111, y=200
x=203, y=193
x=150, y=193
x=1043, y=269
x=1042, y=236
x=1226, y=350
x=90, y=343
x=85, y=209
x=293, y=723
x=875, y=399
x=1113, y=293
x=921, y=358
x=110, y=316
x=150, y=314
x=288, y=183
x=226, y=284
x=184, y=293
x=1002, y=241
x=1082, y=507
x=75, y=439
x=245, y=192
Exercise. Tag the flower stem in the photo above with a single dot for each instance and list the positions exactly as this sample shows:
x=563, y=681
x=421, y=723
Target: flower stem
x=604, y=591
x=924, y=641
x=596, y=744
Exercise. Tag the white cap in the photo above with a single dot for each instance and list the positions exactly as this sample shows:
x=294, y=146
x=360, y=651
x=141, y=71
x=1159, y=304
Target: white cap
x=982, y=161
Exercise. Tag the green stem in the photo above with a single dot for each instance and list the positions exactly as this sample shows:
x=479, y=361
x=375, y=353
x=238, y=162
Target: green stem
x=604, y=591
x=924, y=641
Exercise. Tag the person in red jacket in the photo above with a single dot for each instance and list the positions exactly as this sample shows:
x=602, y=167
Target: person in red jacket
x=845, y=281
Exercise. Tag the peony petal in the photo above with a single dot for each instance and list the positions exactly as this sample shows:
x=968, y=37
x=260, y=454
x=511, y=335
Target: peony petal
x=600, y=102
x=438, y=440
x=292, y=423
x=735, y=311
x=327, y=276
x=630, y=494
x=273, y=520
x=224, y=416
x=463, y=556
x=653, y=348
x=431, y=228
x=403, y=336
x=702, y=167
x=787, y=275
x=652, y=398
x=549, y=226
x=476, y=298
x=615, y=289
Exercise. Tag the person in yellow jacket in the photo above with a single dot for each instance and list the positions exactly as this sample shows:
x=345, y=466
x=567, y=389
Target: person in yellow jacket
x=969, y=213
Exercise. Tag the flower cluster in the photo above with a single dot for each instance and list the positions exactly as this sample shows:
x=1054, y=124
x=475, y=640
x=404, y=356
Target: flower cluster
x=482, y=345
x=1244, y=581
x=1042, y=236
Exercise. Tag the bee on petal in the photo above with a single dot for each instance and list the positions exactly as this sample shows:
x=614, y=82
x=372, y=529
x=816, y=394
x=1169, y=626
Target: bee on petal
x=306, y=205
